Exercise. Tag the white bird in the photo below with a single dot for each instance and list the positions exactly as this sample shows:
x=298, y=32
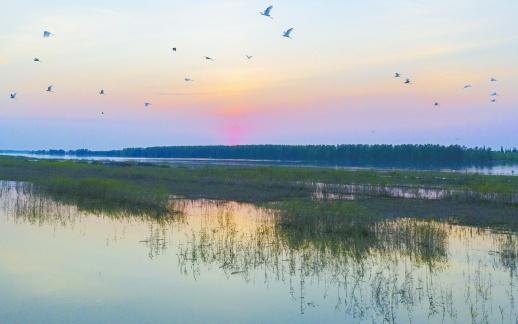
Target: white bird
x=101, y=92
x=467, y=86
x=36, y=60
x=267, y=12
x=407, y=81
x=397, y=75
x=188, y=80
x=249, y=57
x=493, y=80
x=47, y=34
x=13, y=95
x=287, y=33
x=147, y=104
x=49, y=88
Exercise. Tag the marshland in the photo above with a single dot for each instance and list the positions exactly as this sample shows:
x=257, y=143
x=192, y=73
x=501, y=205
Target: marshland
x=82, y=240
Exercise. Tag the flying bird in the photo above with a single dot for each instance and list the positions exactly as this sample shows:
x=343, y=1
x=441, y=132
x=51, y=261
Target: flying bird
x=397, y=75
x=287, y=33
x=36, y=60
x=493, y=80
x=249, y=57
x=188, y=80
x=407, y=81
x=436, y=104
x=493, y=100
x=494, y=94
x=208, y=58
x=49, y=88
x=101, y=92
x=147, y=104
x=267, y=12
x=13, y=95
x=467, y=86
x=47, y=34
x=174, y=49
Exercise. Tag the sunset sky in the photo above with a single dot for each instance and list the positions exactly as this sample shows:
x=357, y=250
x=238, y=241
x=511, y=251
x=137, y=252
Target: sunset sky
x=332, y=83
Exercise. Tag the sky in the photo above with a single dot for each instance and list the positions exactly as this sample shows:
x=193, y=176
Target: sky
x=332, y=83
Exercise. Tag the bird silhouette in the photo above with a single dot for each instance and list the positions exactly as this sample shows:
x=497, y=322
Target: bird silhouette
x=249, y=57
x=47, y=34
x=397, y=75
x=208, y=58
x=494, y=94
x=49, y=88
x=467, y=86
x=13, y=95
x=493, y=80
x=174, y=49
x=36, y=60
x=188, y=80
x=493, y=100
x=267, y=12
x=436, y=104
x=147, y=104
x=287, y=33
x=407, y=81
x=101, y=92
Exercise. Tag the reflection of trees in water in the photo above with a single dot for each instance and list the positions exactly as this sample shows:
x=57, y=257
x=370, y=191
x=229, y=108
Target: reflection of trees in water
x=390, y=273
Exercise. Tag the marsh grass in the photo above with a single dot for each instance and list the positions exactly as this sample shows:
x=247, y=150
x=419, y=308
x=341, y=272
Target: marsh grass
x=252, y=183
x=424, y=241
x=508, y=252
x=38, y=205
x=117, y=192
x=102, y=185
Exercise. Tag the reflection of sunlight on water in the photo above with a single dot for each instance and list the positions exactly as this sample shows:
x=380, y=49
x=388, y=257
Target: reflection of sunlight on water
x=409, y=270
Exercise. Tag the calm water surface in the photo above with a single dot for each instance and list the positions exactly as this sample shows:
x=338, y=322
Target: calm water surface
x=497, y=169
x=223, y=262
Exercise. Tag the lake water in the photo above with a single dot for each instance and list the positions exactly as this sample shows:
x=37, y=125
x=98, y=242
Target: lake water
x=229, y=262
x=497, y=169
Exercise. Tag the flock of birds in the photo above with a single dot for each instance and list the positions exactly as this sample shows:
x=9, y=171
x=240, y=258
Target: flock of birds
x=266, y=13
x=492, y=96
x=286, y=34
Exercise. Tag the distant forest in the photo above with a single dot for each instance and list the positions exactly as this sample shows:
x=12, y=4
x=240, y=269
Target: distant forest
x=345, y=155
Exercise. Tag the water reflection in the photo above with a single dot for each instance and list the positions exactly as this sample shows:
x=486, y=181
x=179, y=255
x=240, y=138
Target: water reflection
x=210, y=255
x=493, y=168
x=323, y=191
